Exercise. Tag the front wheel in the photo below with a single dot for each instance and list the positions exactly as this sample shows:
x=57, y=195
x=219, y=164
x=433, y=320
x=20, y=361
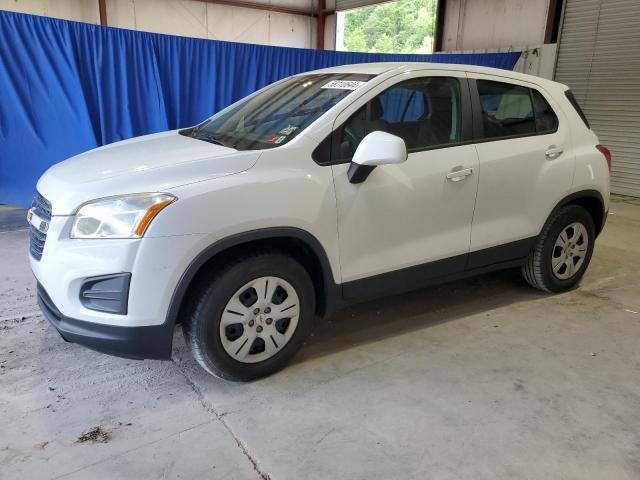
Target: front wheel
x=562, y=252
x=251, y=316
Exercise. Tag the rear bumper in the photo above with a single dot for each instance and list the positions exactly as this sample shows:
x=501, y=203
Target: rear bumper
x=151, y=342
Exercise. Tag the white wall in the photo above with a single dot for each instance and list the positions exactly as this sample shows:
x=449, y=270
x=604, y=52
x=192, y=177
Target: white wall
x=187, y=17
x=539, y=61
x=78, y=10
x=492, y=24
x=329, y=26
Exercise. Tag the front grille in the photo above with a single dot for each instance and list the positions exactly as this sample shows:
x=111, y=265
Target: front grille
x=42, y=208
x=36, y=242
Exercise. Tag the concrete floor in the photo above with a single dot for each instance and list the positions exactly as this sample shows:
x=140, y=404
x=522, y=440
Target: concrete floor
x=479, y=379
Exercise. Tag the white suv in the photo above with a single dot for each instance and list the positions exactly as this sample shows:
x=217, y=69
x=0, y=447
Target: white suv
x=322, y=189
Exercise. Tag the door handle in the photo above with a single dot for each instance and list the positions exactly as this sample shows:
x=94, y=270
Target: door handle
x=553, y=152
x=459, y=173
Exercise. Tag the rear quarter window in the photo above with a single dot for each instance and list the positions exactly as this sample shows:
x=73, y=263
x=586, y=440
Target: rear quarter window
x=572, y=100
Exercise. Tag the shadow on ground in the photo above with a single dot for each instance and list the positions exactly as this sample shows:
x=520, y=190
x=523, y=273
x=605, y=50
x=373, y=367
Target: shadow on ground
x=376, y=320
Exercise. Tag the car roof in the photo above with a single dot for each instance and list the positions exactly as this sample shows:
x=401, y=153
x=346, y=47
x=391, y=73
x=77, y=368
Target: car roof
x=379, y=68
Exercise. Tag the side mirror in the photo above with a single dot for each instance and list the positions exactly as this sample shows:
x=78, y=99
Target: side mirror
x=377, y=148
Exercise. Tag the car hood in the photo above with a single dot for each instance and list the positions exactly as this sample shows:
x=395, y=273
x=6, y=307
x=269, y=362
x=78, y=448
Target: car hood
x=152, y=163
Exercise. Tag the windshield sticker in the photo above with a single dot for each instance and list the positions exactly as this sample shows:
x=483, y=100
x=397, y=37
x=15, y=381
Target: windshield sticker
x=288, y=130
x=274, y=138
x=271, y=138
x=343, y=84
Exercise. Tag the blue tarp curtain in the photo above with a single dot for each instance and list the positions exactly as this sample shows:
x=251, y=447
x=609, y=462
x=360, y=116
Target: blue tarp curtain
x=67, y=87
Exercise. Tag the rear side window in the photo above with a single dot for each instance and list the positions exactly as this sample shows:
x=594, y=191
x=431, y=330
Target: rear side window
x=512, y=110
x=572, y=100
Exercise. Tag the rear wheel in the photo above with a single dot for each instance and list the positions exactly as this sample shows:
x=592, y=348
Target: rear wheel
x=251, y=317
x=562, y=252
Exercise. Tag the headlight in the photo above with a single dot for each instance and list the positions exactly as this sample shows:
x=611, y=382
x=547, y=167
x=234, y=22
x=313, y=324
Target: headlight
x=126, y=216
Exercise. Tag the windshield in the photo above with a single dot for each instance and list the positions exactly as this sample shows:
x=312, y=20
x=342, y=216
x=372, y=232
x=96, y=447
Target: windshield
x=277, y=114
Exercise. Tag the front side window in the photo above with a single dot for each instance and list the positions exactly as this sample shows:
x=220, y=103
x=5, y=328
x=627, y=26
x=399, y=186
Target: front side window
x=424, y=112
x=512, y=110
x=277, y=114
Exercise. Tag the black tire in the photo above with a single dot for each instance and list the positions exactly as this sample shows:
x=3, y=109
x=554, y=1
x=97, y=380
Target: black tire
x=201, y=328
x=537, y=270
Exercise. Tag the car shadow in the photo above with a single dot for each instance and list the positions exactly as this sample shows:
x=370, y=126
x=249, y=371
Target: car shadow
x=400, y=314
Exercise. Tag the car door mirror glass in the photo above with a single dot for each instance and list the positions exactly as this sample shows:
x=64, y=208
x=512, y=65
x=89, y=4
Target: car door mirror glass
x=377, y=148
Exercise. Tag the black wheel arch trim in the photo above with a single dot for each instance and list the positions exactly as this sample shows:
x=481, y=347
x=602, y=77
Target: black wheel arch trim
x=331, y=293
x=590, y=193
x=155, y=341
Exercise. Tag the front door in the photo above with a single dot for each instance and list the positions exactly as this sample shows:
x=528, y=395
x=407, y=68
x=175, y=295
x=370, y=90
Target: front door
x=409, y=222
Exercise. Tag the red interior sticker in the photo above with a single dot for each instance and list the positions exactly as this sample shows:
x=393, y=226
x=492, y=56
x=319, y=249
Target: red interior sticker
x=271, y=138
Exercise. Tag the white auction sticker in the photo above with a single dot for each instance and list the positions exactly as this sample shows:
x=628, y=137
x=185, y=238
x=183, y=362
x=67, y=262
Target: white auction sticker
x=288, y=130
x=343, y=84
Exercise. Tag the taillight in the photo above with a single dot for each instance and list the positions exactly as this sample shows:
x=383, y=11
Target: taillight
x=607, y=154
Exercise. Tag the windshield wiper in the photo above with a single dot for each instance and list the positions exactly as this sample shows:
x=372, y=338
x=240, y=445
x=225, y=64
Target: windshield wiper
x=212, y=138
x=207, y=137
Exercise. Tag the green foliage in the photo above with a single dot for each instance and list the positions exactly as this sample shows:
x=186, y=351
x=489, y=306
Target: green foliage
x=356, y=41
x=384, y=44
x=403, y=26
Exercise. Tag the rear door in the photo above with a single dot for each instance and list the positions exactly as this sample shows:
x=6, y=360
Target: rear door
x=526, y=166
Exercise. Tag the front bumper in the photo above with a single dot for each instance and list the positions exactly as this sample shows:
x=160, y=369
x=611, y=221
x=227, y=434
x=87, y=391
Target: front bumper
x=152, y=342
x=156, y=265
x=140, y=327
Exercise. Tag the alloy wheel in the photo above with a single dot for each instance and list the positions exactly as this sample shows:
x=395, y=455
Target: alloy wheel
x=569, y=251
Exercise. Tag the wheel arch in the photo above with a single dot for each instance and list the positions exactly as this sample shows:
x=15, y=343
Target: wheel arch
x=296, y=242
x=591, y=200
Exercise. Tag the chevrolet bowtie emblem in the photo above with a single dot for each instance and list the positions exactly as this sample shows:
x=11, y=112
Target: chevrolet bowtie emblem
x=35, y=221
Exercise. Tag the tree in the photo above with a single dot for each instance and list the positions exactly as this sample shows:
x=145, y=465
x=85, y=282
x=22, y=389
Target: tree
x=403, y=26
x=384, y=44
x=356, y=41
